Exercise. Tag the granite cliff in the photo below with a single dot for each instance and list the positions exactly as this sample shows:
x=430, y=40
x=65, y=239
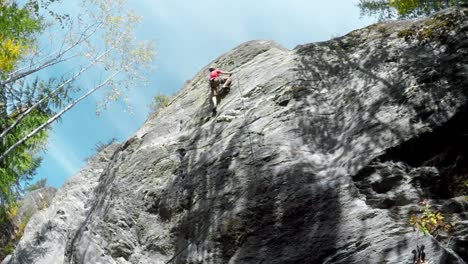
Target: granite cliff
x=317, y=155
x=28, y=205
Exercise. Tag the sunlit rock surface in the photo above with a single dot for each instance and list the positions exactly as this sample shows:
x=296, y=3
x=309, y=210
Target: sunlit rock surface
x=27, y=206
x=317, y=155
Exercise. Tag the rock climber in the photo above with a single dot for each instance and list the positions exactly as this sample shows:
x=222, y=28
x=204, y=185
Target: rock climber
x=215, y=81
x=419, y=255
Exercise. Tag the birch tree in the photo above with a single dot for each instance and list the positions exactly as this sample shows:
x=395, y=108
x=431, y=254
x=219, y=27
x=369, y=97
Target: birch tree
x=17, y=25
x=56, y=60
x=95, y=43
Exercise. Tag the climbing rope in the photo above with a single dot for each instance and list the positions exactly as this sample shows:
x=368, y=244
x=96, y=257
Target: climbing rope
x=253, y=159
x=252, y=152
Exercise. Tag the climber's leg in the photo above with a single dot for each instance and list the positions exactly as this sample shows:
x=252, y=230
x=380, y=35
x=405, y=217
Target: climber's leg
x=213, y=99
x=227, y=82
x=214, y=84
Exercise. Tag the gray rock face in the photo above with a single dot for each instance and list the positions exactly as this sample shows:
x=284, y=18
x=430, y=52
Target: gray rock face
x=31, y=203
x=34, y=201
x=45, y=237
x=317, y=155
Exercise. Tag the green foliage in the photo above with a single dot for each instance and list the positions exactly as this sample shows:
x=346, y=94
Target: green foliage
x=404, y=7
x=100, y=146
x=37, y=185
x=160, y=102
x=390, y=9
x=99, y=36
x=429, y=221
x=22, y=227
x=22, y=162
x=430, y=29
x=8, y=249
x=17, y=235
x=406, y=33
x=18, y=23
x=17, y=27
x=432, y=26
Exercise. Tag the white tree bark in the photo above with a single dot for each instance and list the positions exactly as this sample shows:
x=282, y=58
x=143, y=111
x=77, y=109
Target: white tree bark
x=102, y=27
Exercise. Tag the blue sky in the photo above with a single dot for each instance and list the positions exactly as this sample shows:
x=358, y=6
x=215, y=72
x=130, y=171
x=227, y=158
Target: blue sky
x=188, y=35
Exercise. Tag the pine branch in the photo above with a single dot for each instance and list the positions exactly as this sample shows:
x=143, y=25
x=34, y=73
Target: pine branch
x=56, y=116
x=34, y=106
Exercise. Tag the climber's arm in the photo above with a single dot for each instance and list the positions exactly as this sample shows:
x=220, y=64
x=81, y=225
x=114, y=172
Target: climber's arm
x=225, y=72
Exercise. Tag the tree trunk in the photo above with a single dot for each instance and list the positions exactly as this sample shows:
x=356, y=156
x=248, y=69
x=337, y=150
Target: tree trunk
x=3, y=115
x=3, y=107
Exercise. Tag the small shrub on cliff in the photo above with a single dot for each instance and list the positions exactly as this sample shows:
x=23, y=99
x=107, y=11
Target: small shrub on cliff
x=100, y=146
x=16, y=233
x=8, y=249
x=12, y=211
x=22, y=227
x=159, y=102
x=8, y=212
x=38, y=185
x=406, y=33
x=429, y=221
